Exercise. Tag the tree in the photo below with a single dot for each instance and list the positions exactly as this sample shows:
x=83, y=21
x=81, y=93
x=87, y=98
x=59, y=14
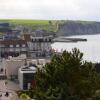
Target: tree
x=66, y=77
x=50, y=22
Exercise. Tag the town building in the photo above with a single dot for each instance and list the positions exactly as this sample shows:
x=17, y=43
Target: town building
x=13, y=48
x=40, y=46
x=11, y=66
x=11, y=43
x=4, y=27
x=12, y=35
x=26, y=76
x=33, y=47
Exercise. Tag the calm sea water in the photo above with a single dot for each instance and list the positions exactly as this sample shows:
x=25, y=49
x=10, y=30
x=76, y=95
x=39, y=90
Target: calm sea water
x=90, y=48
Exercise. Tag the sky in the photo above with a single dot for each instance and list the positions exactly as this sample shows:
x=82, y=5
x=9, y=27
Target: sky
x=50, y=9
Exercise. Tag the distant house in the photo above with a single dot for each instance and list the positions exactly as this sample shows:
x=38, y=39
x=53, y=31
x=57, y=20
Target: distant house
x=11, y=66
x=13, y=47
x=12, y=35
x=4, y=27
x=40, y=46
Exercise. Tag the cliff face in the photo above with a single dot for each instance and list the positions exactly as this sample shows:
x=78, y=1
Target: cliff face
x=78, y=28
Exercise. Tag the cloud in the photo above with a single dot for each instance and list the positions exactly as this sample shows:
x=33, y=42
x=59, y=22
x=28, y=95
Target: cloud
x=50, y=9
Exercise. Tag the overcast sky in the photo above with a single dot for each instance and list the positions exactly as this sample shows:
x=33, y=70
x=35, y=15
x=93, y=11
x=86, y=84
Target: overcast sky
x=51, y=9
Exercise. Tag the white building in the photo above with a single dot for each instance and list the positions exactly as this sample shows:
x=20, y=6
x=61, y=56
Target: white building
x=40, y=46
x=26, y=76
x=12, y=64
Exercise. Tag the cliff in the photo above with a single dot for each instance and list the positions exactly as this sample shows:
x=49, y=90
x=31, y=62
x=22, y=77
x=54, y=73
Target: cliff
x=78, y=28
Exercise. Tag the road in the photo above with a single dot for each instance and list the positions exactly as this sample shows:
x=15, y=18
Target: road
x=10, y=87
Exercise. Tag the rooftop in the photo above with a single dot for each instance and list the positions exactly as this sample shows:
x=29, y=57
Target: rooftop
x=28, y=69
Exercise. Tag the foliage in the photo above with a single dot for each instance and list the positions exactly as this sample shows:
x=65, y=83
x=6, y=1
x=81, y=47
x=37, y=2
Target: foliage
x=66, y=77
x=24, y=97
x=30, y=93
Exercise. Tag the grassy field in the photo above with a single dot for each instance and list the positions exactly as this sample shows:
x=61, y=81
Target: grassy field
x=42, y=24
x=27, y=22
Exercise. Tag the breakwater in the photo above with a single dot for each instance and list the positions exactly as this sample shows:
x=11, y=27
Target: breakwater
x=64, y=39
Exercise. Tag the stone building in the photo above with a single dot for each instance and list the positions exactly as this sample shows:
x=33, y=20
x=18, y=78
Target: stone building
x=40, y=46
x=12, y=48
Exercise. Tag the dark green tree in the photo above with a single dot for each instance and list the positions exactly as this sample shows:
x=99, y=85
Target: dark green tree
x=66, y=77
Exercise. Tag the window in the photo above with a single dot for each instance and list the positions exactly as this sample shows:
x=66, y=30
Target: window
x=23, y=45
x=17, y=45
x=33, y=40
x=11, y=46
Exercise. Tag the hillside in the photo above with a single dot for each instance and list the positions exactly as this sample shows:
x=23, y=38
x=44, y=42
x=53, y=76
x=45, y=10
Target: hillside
x=30, y=25
x=78, y=28
x=61, y=27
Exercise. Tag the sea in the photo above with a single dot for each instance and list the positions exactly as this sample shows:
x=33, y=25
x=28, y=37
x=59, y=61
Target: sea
x=90, y=48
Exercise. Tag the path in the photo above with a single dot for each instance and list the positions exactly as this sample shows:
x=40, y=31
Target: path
x=9, y=87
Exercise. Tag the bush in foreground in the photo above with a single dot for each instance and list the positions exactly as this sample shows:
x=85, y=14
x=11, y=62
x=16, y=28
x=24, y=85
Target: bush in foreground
x=67, y=77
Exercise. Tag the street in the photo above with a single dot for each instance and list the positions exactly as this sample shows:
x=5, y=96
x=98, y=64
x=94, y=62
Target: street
x=9, y=87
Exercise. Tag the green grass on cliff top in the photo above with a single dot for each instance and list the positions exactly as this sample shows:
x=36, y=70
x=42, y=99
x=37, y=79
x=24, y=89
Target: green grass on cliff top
x=41, y=22
x=27, y=22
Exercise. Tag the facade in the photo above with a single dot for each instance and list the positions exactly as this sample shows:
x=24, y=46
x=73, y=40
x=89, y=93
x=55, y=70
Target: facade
x=11, y=43
x=33, y=47
x=12, y=64
x=40, y=46
x=12, y=48
x=26, y=77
